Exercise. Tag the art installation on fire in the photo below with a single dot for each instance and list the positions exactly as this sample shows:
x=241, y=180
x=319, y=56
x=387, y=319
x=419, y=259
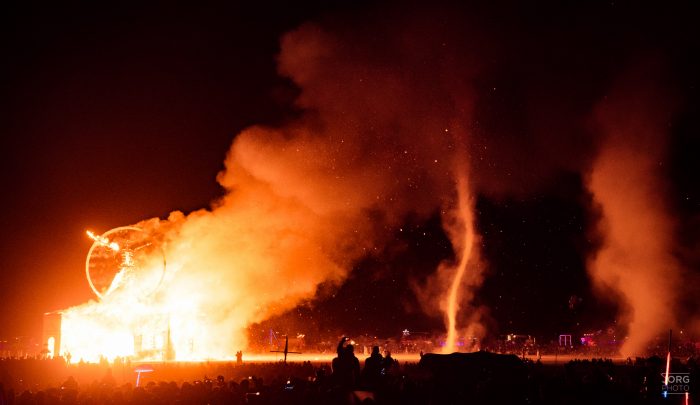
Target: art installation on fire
x=125, y=267
x=386, y=129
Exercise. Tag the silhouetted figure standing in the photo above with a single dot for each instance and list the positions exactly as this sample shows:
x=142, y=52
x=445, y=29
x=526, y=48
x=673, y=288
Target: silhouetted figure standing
x=388, y=363
x=346, y=367
x=371, y=373
x=239, y=357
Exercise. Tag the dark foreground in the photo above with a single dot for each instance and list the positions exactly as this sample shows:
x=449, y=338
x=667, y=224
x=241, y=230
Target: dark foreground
x=475, y=378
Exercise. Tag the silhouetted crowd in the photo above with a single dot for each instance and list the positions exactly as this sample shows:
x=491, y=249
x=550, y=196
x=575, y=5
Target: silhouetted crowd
x=474, y=378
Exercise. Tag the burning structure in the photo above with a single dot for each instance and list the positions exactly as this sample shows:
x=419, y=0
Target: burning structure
x=390, y=125
x=125, y=268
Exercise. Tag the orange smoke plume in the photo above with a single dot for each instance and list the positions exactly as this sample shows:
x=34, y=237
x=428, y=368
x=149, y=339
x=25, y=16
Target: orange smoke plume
x=305, y=201
x=635, y=260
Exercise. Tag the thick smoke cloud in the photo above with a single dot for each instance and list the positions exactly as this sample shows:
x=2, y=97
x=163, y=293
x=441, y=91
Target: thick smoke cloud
x=378, y=138
x=628, y=181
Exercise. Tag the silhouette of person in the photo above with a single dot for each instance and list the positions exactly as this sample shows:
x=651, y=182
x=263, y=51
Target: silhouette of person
x=346, y=367
x=388, y=362
x=371, y=373
x=239, y=357
x=341, y=345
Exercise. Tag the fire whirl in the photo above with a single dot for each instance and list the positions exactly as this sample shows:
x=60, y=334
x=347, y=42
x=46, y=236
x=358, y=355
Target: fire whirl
x=463, y=243
x=459, y=225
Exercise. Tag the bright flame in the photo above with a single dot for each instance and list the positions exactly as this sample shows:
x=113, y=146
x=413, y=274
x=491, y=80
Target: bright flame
x=668, y=368
x=103, y=241
x=129, y=323
x=119, y=327
x=50, y=344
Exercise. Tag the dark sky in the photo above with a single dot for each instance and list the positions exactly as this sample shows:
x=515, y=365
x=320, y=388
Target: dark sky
x=111, y=115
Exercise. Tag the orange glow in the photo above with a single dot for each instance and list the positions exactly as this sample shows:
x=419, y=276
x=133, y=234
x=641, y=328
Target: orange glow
x=124, y=325
x=134, y=321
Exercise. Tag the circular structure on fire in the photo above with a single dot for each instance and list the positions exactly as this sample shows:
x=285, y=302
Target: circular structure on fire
x=125, y=260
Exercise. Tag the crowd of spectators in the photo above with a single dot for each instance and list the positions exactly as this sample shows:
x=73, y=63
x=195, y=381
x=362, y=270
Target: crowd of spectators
x=483, y=378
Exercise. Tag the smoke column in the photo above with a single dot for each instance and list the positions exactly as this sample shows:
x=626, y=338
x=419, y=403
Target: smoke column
x=635, y=261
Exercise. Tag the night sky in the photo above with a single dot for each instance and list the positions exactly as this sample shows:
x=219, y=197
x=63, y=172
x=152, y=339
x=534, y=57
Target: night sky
x=112, y=115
